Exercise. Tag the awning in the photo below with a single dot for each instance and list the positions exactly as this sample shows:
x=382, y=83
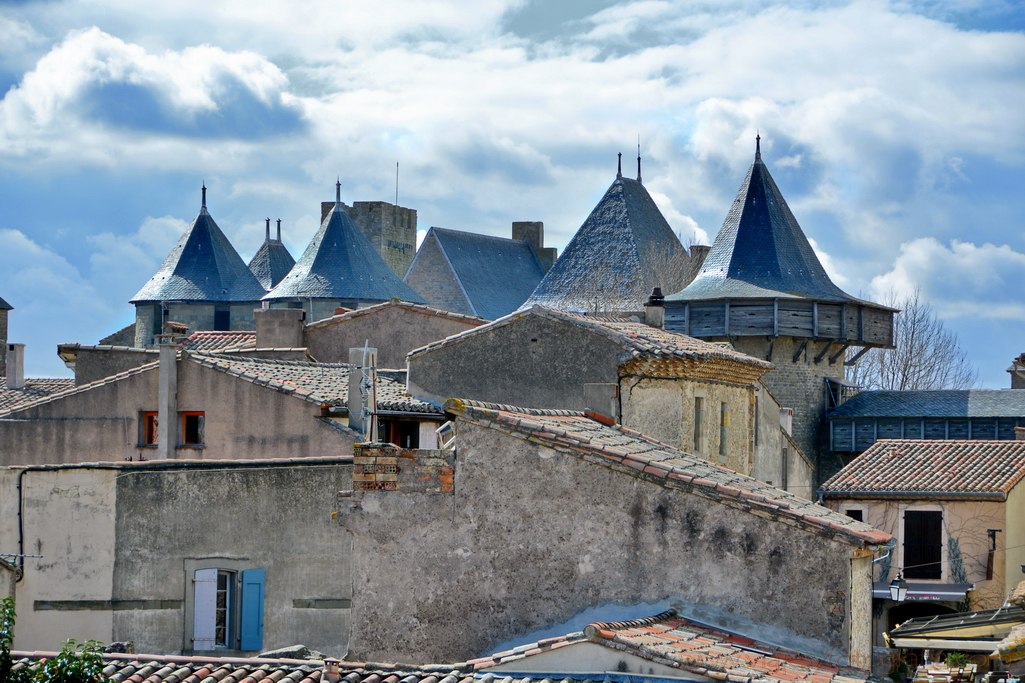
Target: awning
x=926, y=592
x=979, y=631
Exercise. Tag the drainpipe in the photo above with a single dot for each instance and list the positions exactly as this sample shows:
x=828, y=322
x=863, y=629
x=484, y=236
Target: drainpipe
x=167, y=401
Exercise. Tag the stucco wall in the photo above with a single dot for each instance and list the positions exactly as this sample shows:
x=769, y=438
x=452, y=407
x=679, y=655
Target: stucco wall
x=1014, y=530
x=95, y=364
x=120, y=539
x=393, y=331
x=531, y=537
x=534, y=362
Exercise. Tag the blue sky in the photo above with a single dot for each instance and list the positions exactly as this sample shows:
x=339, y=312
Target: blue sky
x=894, y=129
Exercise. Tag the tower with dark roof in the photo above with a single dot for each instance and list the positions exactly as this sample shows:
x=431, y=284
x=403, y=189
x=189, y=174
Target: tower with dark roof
x=272, y=261
x=762, y=288
x=202, y=283
x=623, y=249
x=340, y=268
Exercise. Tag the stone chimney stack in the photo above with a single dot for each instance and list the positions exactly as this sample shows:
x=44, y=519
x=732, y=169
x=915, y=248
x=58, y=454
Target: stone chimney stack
x=655, y=309
x=279, y=328
x=15, y=366
x=167, y=400
x=533, y=232
x=698, y=252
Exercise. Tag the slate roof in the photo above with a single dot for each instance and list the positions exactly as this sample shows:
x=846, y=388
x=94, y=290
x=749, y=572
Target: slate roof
x=691, y=647
x=954, y=469
x=939, y=403
x=395, y=303
x=624, y=450
x=4, y=306
x=761, y=251
x=202, y=267
x=317, y=383
x=639, y=339
x=218, y=340
x=496, y=274
x=35, y=388
x=611, y=255
x=340, y=263
x=272, y=261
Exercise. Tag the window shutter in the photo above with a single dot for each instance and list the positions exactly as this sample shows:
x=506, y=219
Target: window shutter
x=203, y=614
x=251, y=631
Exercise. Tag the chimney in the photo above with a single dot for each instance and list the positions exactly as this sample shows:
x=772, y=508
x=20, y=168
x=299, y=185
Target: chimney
x=330, y=674
x=15, y=366
x=655, y=309
x=355, y=399
x=167, y=401
x=279, y=328
x=698, y=253
x=601, y=402
x=786, y=420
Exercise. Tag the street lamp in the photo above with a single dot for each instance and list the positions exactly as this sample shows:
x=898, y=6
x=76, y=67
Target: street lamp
x=899, y=588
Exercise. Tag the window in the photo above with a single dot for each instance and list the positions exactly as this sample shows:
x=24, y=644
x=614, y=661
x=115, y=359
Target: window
x=227, y=608
x=855, y=513
x=191, y=428
x=923, y=544
x=222, y=318
x=149, y=422
x=784, y=468
x=402, y=433
x=724, y=423
x=698, y=423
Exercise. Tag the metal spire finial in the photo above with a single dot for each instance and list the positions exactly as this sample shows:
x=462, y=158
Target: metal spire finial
x=338, y=191
x=619, y=166
x=268, y=229
x=638, y=158
x=279, y=230
x=204, y=194
x=758, y=146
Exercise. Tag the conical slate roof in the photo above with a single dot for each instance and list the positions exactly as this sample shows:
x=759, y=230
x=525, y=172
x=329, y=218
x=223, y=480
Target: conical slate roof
x=4, y=306
x=340, y=263
x=761, y=251
x=272, y=260
x=612, y=257
x=202, y=267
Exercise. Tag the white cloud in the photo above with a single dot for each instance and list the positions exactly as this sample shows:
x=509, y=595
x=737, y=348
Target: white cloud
x=961, y=279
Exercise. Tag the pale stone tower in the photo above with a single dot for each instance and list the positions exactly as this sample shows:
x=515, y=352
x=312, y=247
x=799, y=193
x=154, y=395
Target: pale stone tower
x=762, y=289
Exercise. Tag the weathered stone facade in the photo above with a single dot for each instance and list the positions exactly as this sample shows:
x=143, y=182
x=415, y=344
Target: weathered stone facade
x=195, y=316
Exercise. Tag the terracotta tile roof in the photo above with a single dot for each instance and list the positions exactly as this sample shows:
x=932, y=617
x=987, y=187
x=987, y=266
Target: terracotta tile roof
x=639, y=339
x=72, y=389
x=931, y=468
x=627, y=451
x=35, y=388
x=210, y=340
x=318, y=383
x=673, y=641
x=396, y=303
x=125, y=668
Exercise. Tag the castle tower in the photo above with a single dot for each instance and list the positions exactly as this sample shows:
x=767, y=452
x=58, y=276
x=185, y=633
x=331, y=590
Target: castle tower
x=390, y=228
x=763, y=289
x=4, y=307
x=623, y=249
x=272, y=261
x=203, y=283
x=340, y=268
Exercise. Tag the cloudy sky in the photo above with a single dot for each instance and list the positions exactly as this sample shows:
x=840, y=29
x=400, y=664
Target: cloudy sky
x=895, y=130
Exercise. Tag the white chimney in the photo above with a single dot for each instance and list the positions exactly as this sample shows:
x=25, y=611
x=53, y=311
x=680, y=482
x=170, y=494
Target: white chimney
x=786, y=420
x=15, y=366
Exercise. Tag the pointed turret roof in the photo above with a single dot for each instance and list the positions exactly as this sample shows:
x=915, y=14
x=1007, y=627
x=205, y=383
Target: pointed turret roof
x=272, y=260
x=761, y=251
x=611, y=257
x=202, y=267
x=4, y=306
x=340, y=263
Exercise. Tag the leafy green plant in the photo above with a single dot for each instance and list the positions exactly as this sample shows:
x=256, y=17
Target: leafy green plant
x=75, y=663
x=956, y=660
x=899, y=672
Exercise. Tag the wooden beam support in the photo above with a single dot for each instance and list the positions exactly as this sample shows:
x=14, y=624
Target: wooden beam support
x=768, y=354
x=843, y=347
x=800, y=350
x=822, y=353
x=854, y=359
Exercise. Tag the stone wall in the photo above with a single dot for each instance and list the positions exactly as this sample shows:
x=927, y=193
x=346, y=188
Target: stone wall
x=531, y=537
x=95, y=364
x=194, y=316
x=433, y=279
x=390, y=228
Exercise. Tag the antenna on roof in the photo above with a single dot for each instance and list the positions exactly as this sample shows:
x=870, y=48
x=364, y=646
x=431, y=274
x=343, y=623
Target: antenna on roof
x=338, y=191
x=638, y=158
x=758, y=146
x=279, y=230
x=396, y=183
x=619, y=166
x=268, y=229
x=204, y=194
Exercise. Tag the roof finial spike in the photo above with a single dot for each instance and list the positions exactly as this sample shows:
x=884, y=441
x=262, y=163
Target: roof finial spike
x=279, y=230
x=204, y=194
x=619, y=166
x=638, y=158
x=758, y=146
x=268, y=229
x=338, y=191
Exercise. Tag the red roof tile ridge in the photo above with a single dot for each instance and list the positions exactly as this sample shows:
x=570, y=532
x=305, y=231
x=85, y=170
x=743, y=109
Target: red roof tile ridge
x=592, y=630
x=463, y=404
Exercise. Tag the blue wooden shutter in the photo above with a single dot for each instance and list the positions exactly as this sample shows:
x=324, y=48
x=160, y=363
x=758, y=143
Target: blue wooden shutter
x=251, y=631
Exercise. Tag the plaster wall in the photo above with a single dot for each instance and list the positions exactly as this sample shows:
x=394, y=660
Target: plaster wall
x=1014, y=531
x=393, y=331
x=431, y=276
x=69, y=520
x=95, y=364
x=531, y=537
x=533, y=362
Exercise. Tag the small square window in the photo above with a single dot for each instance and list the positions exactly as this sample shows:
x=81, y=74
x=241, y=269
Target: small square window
x=191, y=429
x=149, y=424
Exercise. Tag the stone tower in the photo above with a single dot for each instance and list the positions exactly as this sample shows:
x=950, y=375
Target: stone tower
x=391, y=229
x=762, y=289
